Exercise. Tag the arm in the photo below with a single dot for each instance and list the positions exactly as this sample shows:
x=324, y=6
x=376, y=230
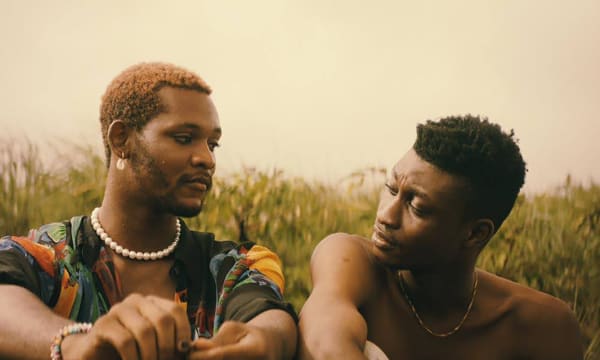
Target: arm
x=279, y=326
x=331, y=326
x=258, y=323
x=139, y=325
x=270, y=335
x=27, y=325
x=557, y=335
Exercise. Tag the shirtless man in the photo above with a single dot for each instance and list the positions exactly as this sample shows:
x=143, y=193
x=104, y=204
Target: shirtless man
x=412, y=289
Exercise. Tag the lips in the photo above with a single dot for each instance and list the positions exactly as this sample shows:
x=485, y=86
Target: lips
x=201, y=182
x=197, y=186
x=382, y=240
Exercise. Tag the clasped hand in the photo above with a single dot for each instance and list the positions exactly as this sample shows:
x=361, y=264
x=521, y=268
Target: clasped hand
x=149, y=328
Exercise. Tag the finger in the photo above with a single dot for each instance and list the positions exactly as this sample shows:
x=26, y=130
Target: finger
x=230, y=333
x=130, y=317
x=233, y=341
x=202, y=344
x=109, y=332
x=184, y=346
x=227, y=352
x=163, y=324
x=183, y=332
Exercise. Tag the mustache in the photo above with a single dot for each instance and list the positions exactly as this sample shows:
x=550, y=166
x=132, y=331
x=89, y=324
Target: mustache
x=204, y=178
x=382, y=233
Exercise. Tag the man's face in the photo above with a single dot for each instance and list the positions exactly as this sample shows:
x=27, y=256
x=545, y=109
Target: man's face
x=420, y=219
x=174, y=161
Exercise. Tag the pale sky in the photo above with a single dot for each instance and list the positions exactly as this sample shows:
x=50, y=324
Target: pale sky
x=321, y=88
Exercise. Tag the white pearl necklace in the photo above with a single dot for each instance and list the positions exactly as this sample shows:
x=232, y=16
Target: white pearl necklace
x=136, y=255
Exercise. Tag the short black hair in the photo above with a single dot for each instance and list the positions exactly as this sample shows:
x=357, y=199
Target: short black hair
x=481, y=153
x=132, y=96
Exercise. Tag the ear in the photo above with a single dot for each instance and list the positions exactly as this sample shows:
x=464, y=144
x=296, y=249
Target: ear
x=118, y=136
x=481, y=232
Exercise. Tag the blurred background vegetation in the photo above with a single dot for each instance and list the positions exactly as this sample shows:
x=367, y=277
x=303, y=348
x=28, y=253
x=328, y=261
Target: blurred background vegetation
x=551, y=241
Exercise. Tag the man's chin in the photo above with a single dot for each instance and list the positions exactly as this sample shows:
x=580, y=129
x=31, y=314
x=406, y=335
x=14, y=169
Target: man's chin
x=387, y=259
x=187, y=211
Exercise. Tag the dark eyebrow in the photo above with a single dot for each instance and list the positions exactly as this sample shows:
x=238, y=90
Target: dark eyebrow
x=193, y=126
x=417, y=190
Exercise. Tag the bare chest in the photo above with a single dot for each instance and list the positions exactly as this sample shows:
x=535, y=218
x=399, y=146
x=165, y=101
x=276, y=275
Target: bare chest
x=393, y=327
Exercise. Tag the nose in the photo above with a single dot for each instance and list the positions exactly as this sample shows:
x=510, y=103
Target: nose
x=389, y=213
x=203, y=156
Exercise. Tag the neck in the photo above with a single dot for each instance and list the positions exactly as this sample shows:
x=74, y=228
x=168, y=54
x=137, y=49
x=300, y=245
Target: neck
x=440, y=292
x=136, y=226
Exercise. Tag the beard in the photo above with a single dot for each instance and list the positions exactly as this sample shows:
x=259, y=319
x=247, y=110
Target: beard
x=183, y=211
x=150, y=177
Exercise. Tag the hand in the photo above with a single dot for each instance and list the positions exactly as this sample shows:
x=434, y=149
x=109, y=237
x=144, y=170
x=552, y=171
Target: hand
x=139, y=327
x=235, y=340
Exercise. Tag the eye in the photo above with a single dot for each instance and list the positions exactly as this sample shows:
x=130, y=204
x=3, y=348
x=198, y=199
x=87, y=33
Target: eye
x=417, y=210
x=391, y=189
x=213, y=145
x=183, y=139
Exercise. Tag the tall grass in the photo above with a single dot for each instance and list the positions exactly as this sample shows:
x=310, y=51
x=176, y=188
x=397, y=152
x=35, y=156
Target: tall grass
x=550, y=241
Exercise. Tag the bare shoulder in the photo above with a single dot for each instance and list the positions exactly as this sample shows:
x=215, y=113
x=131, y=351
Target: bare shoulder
x=551, y=326
x=342, y=245
x=343, y=262
x=530, y=306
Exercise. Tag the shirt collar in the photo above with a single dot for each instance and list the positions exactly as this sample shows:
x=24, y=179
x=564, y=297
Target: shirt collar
x=188, y=251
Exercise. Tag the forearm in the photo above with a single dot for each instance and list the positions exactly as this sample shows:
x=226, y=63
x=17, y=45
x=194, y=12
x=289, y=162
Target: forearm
x=326, y=345
x=281, y=328
x=27, y=325
x=331, y=325
x=340, y=332
x=325, y=348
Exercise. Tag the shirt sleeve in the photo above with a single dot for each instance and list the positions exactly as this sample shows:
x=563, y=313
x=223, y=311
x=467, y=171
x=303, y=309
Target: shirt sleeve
x=17, y=266
x=254, y=283
x=31, y=262
x=248, y=301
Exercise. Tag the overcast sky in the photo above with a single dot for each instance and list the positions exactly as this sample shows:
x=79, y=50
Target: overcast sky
x=321, y=88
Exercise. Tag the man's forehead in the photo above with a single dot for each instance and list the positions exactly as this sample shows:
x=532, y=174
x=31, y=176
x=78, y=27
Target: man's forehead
x=187, y=102
x=404, y=164
x=428, y=177
x=173, y=94
x=185, y=108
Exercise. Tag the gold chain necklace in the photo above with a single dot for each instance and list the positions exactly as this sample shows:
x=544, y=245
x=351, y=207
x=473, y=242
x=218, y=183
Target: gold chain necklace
x=422, y=324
